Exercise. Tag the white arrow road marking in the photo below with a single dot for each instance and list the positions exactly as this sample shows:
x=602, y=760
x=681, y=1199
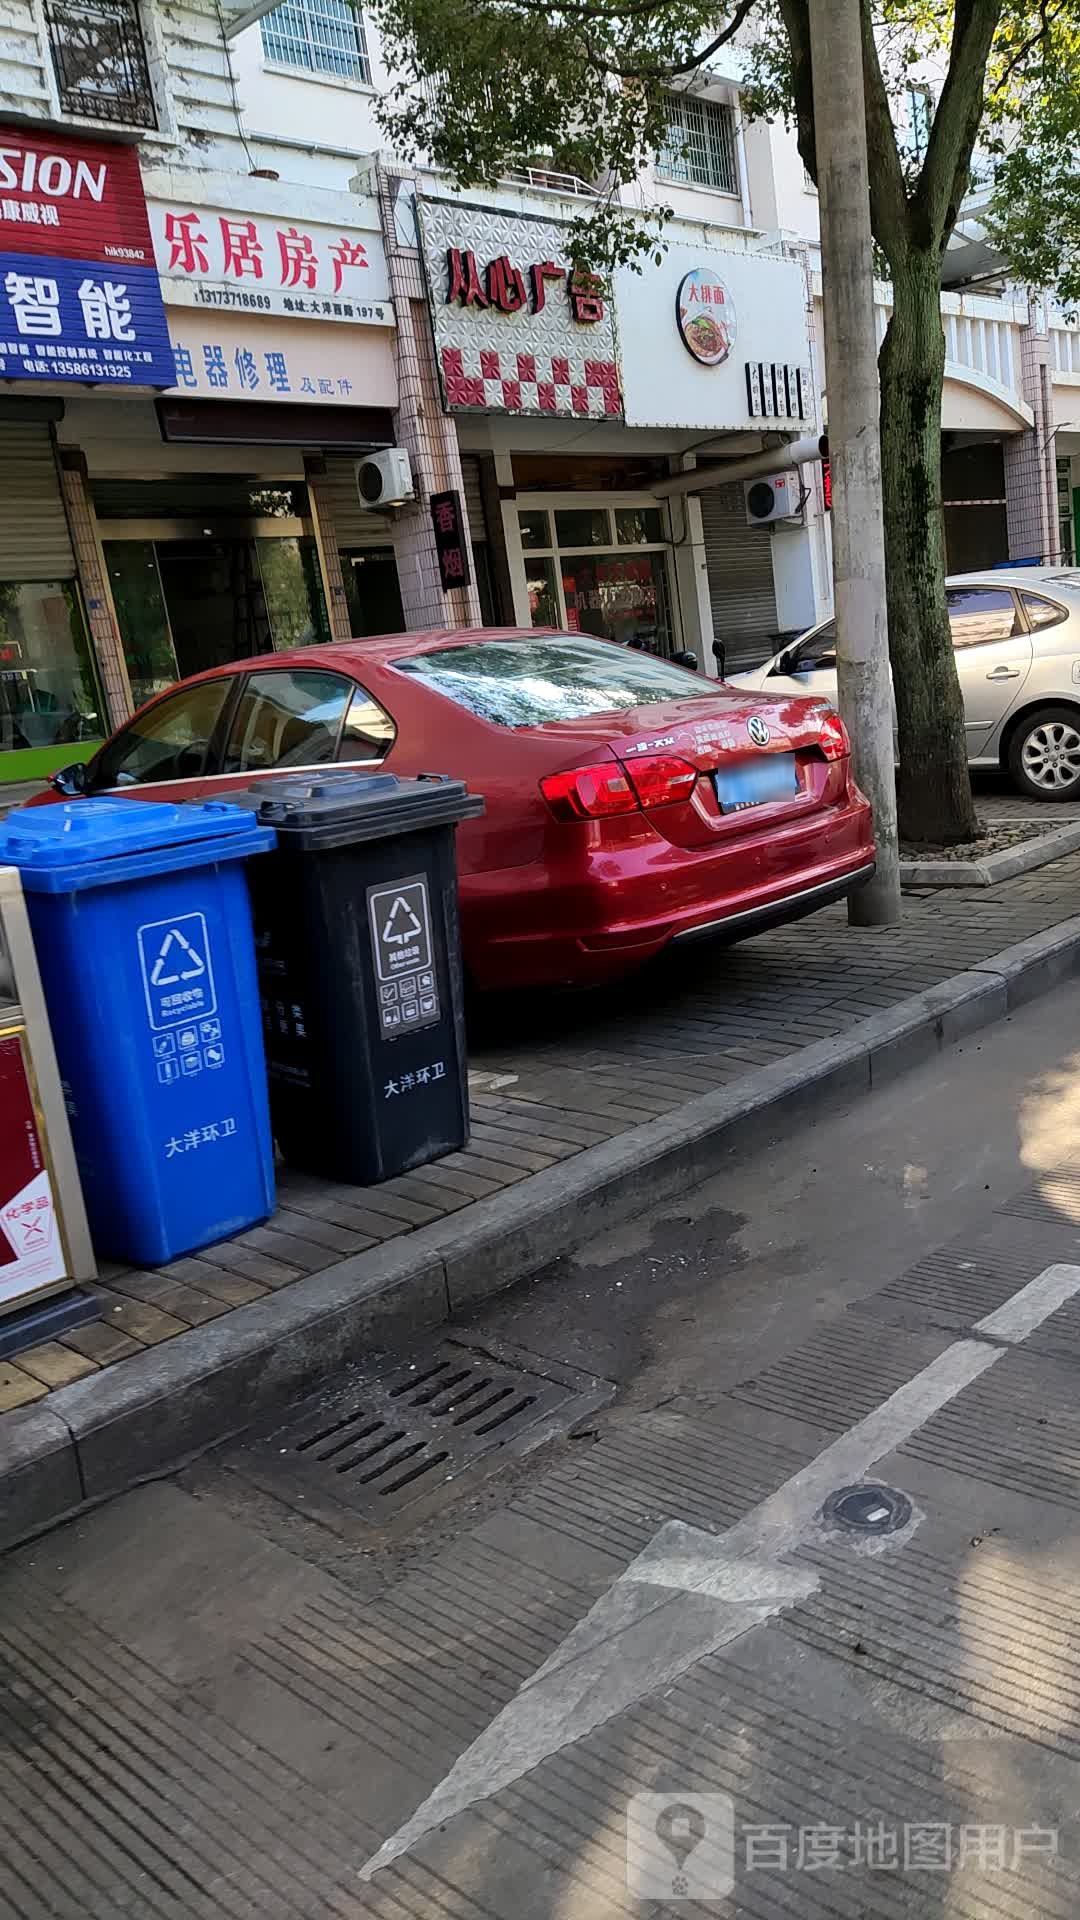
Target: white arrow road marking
x=689, y=1593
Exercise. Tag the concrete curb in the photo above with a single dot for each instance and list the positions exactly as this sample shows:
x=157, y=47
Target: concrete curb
x=996, y=866
x=146, y=1414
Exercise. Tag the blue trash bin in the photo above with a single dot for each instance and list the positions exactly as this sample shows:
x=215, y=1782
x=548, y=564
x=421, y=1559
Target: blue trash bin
x=142, y=926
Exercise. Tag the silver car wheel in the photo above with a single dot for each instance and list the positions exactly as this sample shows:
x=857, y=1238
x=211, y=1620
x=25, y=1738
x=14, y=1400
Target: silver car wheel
x=1050, y=756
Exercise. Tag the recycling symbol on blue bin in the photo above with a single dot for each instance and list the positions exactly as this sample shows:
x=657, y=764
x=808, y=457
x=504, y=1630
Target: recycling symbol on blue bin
x=177, y=971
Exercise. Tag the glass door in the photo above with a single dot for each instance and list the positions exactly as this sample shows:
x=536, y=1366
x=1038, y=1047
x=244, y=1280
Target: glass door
x=601, y=570
x=51, y=705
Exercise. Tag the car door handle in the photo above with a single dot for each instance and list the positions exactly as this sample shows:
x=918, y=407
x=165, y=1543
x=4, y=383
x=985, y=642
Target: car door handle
x=1004, y=673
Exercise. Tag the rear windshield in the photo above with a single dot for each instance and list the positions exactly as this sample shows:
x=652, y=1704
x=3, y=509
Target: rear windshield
x=523, y=683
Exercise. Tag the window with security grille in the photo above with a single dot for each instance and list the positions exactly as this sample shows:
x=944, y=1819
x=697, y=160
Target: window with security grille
x=700, y=147
x=325, y=36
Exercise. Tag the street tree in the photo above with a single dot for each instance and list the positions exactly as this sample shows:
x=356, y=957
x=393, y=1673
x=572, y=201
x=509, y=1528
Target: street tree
x=495, y=84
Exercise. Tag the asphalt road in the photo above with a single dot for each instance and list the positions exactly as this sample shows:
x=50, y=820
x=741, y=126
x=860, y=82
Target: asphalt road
x=233, y=1693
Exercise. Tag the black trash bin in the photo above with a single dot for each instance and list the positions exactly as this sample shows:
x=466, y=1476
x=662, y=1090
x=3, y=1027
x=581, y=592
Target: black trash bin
x=360, y=975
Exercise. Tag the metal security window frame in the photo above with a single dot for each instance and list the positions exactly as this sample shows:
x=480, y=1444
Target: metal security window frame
x=318, y=36
x=701, y=150
x=609, y=503
x=100, y=61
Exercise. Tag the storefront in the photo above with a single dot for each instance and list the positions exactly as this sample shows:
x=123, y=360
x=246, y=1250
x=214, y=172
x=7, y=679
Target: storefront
x=71, y=319
x=51, y=701
x=565, y=533
x=581, y=401
x=715, y=348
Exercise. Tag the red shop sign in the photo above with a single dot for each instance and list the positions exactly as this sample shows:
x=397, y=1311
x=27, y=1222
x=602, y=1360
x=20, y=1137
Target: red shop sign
x=72, y=199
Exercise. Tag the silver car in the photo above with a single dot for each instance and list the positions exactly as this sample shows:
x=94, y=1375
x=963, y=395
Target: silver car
x=1016, y=632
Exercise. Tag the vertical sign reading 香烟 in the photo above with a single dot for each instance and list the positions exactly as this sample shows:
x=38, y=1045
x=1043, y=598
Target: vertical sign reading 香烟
x=79, y=292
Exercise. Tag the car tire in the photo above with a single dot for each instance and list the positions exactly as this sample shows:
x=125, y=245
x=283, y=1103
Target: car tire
x=1044, y=754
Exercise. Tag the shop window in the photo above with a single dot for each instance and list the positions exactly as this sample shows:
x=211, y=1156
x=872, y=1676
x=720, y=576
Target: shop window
x=287, y=719
x=618, y=597
x=700, y=146
x=323, y=36
x=583, y=527
x=170, y=741
x=49, y=695
x=543, y=599
x=535, y=530
x=638, y=526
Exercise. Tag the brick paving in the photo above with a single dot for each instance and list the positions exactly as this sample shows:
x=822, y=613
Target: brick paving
x=589, y=1067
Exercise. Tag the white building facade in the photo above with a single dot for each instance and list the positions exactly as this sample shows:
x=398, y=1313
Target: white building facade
x=309, y=300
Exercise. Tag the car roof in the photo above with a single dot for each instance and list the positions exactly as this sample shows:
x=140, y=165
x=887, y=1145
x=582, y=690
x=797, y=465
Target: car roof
x=1051, y=579
x=381, y=647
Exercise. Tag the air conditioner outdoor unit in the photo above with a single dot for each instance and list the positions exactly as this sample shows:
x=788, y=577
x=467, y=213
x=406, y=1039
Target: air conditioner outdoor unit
x=777, y=498
x=384, y=479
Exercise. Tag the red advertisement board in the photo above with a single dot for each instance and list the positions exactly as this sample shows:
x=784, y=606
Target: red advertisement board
x=72, y=199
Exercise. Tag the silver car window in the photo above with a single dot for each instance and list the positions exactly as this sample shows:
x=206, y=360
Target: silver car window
x=1042, y=613
x=981, y=614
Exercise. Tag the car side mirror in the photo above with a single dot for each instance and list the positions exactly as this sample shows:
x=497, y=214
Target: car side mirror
x=70, y=781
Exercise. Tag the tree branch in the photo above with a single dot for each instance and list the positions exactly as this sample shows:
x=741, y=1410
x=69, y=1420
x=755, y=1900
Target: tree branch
x=889, y=212
x=888, y=201
x=944, y=178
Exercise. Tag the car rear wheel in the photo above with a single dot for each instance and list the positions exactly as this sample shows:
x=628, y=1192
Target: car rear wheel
x=1044, y=754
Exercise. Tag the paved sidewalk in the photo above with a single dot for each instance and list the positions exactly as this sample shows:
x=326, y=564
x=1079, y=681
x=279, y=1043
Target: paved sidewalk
x=218, y=1708
x=587, y=1070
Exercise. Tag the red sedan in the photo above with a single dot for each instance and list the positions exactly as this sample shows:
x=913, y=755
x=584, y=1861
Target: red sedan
x=629, y=803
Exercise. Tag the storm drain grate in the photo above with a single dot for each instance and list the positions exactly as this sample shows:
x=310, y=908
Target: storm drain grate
x=380, y=1444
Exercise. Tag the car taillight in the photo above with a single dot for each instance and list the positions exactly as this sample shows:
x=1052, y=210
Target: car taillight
x=596, y=793
x=589, y=793
x=833, y=738
x=660, y=779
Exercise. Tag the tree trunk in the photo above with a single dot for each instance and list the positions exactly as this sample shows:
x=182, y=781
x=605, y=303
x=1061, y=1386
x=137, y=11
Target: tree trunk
x=933, y=789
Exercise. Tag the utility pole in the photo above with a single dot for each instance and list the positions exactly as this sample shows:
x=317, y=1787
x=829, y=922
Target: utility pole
x=851, y=382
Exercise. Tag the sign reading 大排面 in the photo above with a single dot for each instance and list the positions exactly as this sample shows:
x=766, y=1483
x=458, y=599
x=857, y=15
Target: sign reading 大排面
x=79, y=292
x=519, y=327
x=714, y=339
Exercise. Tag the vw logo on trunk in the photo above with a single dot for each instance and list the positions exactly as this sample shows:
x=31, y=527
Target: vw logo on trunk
x=758, y=730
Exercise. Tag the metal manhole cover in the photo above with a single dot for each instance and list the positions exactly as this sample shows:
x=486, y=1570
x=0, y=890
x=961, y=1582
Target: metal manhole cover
x=867, y=1509
x=379, y=1445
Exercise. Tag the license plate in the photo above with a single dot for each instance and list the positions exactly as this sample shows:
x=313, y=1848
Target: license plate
x=749, y=783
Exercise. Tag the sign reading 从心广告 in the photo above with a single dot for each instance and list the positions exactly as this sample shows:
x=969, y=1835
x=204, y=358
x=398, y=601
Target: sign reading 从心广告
x=79, y=292
x=519, y=329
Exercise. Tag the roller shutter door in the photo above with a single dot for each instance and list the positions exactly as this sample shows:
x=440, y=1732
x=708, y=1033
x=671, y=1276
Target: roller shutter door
x=353, y=524
x=474, y=499
x=741, y=591
x=34, y=539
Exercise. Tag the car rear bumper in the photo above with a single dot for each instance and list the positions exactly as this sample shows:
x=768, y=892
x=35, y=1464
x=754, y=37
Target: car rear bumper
x=599, y=919
x=737, y=926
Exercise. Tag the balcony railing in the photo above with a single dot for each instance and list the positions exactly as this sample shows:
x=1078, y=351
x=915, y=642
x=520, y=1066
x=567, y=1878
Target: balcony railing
x=100, y=61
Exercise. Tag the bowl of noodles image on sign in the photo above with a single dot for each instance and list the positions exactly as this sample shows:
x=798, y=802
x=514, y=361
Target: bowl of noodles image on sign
x=705, y=316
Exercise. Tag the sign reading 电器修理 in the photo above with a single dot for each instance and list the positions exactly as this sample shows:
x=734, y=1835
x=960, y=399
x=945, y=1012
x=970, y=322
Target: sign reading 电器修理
x=519, y=328
x=79, y=292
